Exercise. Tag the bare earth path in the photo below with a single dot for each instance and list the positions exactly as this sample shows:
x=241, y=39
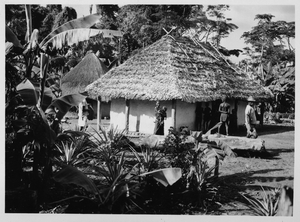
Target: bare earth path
x=248, y=174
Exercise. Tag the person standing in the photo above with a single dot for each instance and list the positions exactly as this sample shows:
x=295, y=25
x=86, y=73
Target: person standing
x=224, y=109
x=199, y=114
x=207, y=117
x=82, y=122
x=161, y=115
x=250, y=118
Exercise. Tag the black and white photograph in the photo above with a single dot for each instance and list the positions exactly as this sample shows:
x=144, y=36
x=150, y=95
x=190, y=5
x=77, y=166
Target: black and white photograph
x=155, y=111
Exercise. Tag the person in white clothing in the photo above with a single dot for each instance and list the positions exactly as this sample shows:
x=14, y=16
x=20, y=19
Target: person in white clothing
x=82, y=122
x=250, y=118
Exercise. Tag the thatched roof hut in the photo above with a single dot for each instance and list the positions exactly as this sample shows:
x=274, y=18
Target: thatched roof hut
x=84, y=73
x=179, y=73
x=178, y=69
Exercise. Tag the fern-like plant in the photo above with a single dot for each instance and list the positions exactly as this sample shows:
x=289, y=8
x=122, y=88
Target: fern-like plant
x=267, y=205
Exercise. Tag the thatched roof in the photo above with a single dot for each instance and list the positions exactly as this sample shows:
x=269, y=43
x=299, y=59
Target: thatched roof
x=84, y=73
x=169, y=69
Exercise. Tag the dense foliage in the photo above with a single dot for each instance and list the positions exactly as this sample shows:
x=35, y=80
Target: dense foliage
x=102, y=172
x=271, y=59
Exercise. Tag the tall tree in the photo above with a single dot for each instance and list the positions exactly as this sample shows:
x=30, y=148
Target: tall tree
x=67, y=14
x=271, y=54
x=144, y=24
x=218, y=24
x=211, y=24
x=48, y=21
x=108, y=19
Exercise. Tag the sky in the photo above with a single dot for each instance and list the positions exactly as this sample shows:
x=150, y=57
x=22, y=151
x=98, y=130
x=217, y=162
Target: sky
x=241, y=15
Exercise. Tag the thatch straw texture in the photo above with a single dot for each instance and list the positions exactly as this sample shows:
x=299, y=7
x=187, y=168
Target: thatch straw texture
x=84, y=73
x=175, y=69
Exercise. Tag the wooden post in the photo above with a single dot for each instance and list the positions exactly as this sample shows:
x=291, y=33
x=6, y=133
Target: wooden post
x=235, y=115
x=98, y=112
x=127, y=110
x=80, y=107
x=173, y=114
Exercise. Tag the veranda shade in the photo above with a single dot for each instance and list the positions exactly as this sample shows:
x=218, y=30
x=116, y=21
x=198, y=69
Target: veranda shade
x=171, y=69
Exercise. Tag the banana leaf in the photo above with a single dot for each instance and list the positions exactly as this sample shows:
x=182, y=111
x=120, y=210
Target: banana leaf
x=33, y=42
x=8, y=47
x=84, y=22
x=71, y=175
x=70, y=37
x=65, y=103
x=11, y=37
x=30, y=93
x=167, y=176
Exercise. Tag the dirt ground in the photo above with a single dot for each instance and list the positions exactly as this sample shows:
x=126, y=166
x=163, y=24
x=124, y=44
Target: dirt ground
x=249, y=174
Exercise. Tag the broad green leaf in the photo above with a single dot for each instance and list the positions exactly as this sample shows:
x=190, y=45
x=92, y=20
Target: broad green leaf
x=48, y=97
x=33, y=43
x=71, y=175
x=84, y=22
x=30, y=93
x=65, y=103
x=75, y=36
x=167, y=176
x=11, y=37
x=8, y=47
x=36, y=70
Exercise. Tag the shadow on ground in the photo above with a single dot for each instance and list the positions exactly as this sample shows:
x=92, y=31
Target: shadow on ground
x=230, y=186
x=266, y=129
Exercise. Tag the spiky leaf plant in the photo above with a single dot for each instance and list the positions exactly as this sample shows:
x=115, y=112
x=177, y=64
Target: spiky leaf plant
x=267, y=205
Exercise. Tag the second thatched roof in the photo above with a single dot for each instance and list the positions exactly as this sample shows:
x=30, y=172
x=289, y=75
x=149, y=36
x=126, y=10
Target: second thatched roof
x=84, y=73
x=175, y=69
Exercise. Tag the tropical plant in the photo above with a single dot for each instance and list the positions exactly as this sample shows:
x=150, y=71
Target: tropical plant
x=267, y=205
x=199, y=178
x=73, y=148
x=271, y=58
x=118, y=187
x=33, y=116
x=111, y=140
x=148, y=159
x=144, y=24
x=118, y=182
x=211, y=24
x=177, y=151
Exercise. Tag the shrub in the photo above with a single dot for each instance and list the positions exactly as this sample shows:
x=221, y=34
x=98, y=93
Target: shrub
x=267, y=205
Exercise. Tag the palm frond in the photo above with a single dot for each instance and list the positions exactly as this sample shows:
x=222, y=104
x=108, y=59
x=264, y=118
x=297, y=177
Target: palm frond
x=74, y=36
x=84, y=22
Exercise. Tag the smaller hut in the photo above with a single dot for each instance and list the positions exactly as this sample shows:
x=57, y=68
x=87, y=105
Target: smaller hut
x=88, y=70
